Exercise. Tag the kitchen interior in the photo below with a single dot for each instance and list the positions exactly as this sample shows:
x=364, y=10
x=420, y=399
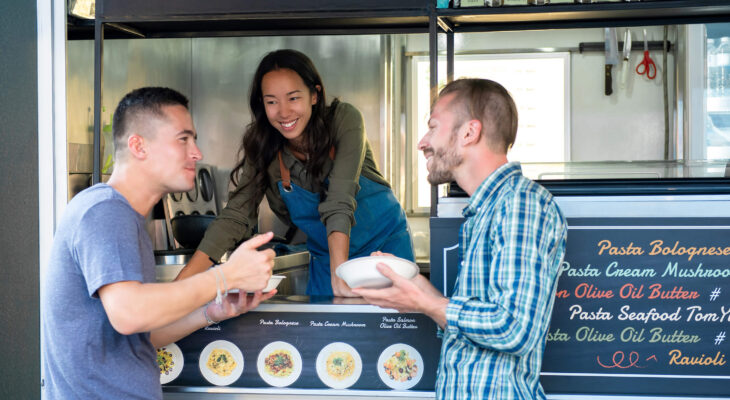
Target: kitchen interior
x=572, y=129
x=671, y=127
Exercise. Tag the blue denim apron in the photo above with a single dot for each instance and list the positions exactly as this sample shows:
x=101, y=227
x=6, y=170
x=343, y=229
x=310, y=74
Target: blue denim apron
x=380, y=224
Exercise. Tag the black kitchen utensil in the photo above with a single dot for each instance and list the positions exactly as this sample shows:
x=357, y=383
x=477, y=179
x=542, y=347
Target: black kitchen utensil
x=611, y=57
x=188, y=230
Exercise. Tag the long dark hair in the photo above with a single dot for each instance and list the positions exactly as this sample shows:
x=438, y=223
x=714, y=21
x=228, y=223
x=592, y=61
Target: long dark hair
x=261, y=141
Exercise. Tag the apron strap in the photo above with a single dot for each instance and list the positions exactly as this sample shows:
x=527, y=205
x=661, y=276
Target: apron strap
x=285, y=175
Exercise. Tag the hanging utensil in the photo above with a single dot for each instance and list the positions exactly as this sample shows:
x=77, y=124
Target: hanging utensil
x=611, y=48
x=646, y=66
x=625, y=67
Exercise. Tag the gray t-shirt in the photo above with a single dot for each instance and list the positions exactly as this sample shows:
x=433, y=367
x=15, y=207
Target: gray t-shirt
x=100, y=240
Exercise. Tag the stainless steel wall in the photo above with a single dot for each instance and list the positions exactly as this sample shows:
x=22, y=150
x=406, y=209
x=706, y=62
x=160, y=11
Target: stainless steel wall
x=128, y=64
x=215, y=73
x=222, y=69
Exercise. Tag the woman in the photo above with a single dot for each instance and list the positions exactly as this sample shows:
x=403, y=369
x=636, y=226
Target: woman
x=315, y=166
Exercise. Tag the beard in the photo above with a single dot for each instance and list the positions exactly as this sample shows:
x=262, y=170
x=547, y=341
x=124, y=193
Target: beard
x=443, y=162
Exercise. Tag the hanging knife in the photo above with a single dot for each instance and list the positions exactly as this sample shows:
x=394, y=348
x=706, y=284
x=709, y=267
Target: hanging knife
x=626, y=65
x=611, y=48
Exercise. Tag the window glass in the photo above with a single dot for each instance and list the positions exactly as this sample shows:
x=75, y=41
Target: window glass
x=540, y=86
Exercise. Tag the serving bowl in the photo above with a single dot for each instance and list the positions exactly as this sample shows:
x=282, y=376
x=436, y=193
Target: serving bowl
x=274, y=281
x=362, y=272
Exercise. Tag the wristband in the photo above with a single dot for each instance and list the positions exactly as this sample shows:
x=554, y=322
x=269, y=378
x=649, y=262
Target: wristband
x=218, y=295
x=208, y=320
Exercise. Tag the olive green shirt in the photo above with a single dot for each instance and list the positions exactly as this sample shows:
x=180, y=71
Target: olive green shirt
x=353, y=157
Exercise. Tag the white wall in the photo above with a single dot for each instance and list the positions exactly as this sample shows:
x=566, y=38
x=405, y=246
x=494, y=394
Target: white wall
x=628, y=125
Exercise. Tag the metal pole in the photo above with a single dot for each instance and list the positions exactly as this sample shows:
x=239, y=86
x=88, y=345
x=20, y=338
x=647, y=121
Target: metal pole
x=433, y=49
x=449, y=55
x=98, y=65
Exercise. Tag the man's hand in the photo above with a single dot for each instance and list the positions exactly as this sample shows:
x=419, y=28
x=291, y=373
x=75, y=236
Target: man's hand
x=340, y=288
x=236, y=304
x=408, y=295
x=380, y=253
x=247, y=268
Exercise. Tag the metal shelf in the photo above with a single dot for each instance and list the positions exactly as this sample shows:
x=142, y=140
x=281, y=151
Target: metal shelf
x=586, y=15
x=226, y=18
x=638, y=187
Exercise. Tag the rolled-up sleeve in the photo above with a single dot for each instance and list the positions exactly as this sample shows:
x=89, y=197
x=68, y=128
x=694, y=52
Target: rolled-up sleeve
x=337, y=211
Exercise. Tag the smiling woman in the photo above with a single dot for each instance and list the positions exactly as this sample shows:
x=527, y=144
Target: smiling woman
x=314, y=164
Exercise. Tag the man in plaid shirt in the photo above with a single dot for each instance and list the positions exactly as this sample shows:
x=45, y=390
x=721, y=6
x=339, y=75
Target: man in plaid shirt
x=512, y=243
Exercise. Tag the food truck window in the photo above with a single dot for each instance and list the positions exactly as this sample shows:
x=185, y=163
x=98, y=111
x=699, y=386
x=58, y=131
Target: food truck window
x=672, y=123
x=540, y=85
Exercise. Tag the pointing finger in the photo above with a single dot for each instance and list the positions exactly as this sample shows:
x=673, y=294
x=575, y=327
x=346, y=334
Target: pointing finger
x=257, y=241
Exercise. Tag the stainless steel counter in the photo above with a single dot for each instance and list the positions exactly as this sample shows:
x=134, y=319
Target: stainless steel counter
x=295, y=268
x=288, y=261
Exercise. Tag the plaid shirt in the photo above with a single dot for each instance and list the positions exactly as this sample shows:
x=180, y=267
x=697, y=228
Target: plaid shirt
x=511, y=247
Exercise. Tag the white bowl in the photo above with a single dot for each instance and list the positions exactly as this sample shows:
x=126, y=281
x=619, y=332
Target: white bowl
x=274, y=281
x=361, y=272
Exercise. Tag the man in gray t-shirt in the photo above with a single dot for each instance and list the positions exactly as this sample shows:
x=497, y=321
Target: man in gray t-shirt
x=103, y=315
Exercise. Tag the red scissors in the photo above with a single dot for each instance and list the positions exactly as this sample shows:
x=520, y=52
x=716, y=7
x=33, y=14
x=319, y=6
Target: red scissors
x=646, y=66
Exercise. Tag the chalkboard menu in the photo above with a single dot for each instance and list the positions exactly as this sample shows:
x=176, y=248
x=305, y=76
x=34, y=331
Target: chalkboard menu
x=306, y=348
x=642, y=308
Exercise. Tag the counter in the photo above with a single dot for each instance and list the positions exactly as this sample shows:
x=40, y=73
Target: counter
x=642, y=304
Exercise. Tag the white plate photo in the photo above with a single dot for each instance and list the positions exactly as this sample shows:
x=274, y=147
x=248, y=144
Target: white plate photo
x=400, y=366
x=362, y=271
x=170, y=360
x=279, y=364
x=339, y=365
x=221, y=362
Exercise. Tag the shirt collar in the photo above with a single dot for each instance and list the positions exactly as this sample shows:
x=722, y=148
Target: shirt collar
x=288, y=157
x=491, y=185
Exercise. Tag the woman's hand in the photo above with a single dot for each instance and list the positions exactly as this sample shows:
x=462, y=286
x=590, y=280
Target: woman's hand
x=339, y=244
x=340, y=288
x=236, y=304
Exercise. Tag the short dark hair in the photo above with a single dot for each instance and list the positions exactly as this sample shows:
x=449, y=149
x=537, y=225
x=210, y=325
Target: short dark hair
x=139, y=101
x=490, y=103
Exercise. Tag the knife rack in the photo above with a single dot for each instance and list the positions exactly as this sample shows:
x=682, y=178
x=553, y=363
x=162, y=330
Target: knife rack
x=638, y=45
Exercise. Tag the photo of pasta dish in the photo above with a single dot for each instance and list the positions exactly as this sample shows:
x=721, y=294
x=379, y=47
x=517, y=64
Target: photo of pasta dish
x=279, y=363
x=399, y=367
x=221, y=362
x=340, y=365
x=164, y=361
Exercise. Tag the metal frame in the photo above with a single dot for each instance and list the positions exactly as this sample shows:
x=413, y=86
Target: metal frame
x=343, y=17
